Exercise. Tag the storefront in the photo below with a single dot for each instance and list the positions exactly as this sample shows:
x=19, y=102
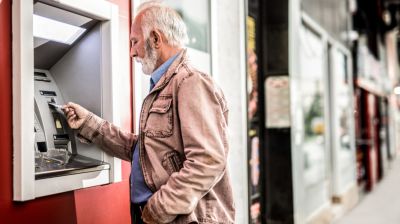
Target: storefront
x=323, y=123
x=374, y=91
x=301, y=135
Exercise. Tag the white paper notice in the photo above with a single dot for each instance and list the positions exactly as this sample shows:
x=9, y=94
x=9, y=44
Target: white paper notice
x=277, y=102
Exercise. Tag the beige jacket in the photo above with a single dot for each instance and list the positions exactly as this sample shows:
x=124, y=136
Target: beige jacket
x=183, y=147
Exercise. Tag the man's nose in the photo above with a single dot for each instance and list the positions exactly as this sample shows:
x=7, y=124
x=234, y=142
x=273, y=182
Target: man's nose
x=133, y=53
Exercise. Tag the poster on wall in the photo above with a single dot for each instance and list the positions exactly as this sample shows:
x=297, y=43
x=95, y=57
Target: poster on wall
x=255, y=213
x=253, y=127
x=277, y=102
x=255, y=166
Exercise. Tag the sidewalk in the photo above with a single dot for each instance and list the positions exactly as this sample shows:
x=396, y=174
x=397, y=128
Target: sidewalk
x=382, y=206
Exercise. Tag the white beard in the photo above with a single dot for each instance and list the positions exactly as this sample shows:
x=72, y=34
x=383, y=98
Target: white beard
x=150, y=59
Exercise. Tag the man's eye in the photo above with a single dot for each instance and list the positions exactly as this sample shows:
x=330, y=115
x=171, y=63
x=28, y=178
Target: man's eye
x=134, y=42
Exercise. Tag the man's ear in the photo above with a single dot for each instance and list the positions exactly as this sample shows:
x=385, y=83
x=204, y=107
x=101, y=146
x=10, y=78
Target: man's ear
x=156, y=39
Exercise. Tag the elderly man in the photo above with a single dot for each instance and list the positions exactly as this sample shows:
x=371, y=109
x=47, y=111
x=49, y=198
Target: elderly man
x=179, y=157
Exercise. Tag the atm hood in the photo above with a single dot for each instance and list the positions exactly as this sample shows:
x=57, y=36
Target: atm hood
x=48, y=52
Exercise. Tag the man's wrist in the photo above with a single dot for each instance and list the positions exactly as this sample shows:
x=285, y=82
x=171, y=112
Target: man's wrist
x=90, y=127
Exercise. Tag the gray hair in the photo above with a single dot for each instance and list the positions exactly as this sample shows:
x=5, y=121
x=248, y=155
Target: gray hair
x=166, y=20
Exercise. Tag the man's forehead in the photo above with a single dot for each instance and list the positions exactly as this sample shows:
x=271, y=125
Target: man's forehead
x=136, y=30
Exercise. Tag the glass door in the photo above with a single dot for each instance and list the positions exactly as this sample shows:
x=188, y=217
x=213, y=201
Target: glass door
x=311, y=117
x=342, y=123
x=197, y=17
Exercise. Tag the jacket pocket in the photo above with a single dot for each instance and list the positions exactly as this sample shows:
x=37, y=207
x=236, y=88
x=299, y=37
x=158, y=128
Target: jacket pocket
x=172, y=162
x=160, y=120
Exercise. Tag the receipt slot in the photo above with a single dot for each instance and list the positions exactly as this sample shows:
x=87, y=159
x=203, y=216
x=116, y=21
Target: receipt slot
x=62, y=51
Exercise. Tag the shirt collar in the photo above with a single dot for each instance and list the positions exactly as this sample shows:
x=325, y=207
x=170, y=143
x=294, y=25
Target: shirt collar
x=160, y=71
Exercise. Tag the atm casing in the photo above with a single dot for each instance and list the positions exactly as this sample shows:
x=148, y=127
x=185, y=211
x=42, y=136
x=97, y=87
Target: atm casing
x=48, y=158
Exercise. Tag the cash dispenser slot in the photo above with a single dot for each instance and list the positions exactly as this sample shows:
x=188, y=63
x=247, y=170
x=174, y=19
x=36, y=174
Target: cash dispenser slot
x=41, y=76
x=56, y=152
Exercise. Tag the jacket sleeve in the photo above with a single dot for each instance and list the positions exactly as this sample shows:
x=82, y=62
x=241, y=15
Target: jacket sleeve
x=203, y=129
x=107, y=136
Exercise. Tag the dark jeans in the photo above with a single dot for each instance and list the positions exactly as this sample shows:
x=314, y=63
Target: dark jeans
x=136, y=213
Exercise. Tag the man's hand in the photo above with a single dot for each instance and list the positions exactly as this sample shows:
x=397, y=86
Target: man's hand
x=75, y=114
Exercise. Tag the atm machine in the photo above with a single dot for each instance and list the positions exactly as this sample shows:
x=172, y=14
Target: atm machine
x=56, y=152
x=63, y=51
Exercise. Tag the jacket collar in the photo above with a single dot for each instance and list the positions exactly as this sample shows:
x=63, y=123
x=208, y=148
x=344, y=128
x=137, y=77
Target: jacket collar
x=172, y=70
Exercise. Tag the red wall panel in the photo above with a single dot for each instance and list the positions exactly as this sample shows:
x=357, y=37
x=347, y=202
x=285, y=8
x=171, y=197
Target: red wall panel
x=49, y=209
x=102, y=204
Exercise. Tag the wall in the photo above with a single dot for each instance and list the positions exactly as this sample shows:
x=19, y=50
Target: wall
x=102, y=204
x=229, y=71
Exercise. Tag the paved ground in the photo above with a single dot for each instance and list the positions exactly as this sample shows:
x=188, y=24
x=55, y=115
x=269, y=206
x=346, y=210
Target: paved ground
x=382, y=206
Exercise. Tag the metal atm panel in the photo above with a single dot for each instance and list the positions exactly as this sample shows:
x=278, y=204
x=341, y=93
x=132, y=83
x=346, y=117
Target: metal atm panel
x=55, y=143
x=78, y=76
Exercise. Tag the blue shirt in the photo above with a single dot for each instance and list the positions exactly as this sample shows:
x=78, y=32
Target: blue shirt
x=139, y=190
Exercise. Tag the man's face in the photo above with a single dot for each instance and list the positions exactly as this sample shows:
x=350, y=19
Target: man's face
x=149, y=60
x=141, y=49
